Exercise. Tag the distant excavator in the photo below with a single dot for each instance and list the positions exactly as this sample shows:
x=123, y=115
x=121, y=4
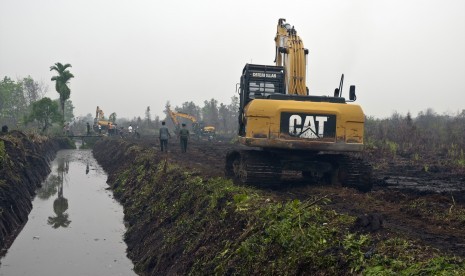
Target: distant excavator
x=198, y=128
x=100, y=120
x=290, y=130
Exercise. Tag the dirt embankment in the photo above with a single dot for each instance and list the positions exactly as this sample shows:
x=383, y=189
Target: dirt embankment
x=182, y=219
x=24, y=164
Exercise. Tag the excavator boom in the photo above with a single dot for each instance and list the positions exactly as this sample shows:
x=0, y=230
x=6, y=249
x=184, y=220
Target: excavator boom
x=291, y=54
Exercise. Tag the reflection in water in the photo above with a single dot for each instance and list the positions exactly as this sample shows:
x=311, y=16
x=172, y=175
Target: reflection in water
x=49, y=187
x=67, y=166
x=60, y=205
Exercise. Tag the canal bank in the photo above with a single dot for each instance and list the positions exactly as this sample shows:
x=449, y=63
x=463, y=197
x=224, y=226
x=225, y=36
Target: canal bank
x=185, y=221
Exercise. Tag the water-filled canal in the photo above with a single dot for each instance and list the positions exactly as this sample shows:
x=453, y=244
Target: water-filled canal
x=75, y=227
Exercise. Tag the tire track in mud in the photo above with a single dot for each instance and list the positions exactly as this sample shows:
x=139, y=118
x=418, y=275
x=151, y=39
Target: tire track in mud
x=396, y=191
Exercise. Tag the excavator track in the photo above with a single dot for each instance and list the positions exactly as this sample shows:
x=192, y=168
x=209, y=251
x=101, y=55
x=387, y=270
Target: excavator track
x=263, y=169
x=351, y=171
x=253, y=167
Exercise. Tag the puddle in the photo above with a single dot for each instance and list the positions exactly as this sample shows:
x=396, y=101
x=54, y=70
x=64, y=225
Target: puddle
x=424, y=185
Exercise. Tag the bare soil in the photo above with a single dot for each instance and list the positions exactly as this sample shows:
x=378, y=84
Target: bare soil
x=422, y=200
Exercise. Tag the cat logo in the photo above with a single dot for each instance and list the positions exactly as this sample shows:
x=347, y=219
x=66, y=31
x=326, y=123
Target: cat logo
x=308, y=126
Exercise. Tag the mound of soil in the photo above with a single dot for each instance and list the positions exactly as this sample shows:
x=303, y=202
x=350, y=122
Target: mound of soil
x=424, y=204
x=24, y=164
x=397, y=205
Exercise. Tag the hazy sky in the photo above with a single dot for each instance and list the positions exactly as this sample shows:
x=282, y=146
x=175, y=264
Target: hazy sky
x=127, y=55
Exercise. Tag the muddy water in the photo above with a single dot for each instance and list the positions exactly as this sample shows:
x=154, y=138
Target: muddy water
x=75, y=227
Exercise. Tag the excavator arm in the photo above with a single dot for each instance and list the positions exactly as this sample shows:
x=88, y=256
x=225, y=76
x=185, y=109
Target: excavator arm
x=99, y=113
x=197, y=126
x=186, y=116
x=172, y=116
x=291, y=54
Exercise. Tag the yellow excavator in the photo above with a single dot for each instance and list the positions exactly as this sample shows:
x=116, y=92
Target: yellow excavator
x=290, y=130
x=100, y=120
x=209, y=132
x=198, y=128
x=174, y=117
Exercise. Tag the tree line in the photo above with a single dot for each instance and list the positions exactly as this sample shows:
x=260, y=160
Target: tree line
x=427, y=132
x=23, y=105
x=213, y=113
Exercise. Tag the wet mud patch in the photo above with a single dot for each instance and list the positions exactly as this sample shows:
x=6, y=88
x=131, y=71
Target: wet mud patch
x=445, y=186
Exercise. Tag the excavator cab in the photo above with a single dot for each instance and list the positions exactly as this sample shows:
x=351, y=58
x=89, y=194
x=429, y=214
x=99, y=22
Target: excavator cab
x=259, y=82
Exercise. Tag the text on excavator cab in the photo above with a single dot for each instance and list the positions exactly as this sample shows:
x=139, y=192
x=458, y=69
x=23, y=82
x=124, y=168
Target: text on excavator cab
x=263, y=75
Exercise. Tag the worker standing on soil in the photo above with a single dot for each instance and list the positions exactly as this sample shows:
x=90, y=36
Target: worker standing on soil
x=88, y=129
x=67, y=129
x=164, y=135
x=183, y=136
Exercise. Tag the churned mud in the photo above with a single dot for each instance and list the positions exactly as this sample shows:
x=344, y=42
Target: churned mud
x=422, y=205
x=425, y=205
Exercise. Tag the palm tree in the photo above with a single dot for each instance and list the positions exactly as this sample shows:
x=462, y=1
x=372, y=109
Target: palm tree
x=61, y=83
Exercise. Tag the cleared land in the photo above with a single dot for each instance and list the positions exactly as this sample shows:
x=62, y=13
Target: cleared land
x=421, y=199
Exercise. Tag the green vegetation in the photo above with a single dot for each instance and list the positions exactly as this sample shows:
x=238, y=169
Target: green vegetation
x=13, y=101
x=455, y=153
x=67, y=143
x=3, y=154
x=405, y=258
x=45, y=112
x=88, y=142
x=215, y=227
x=424, y=208
x=22, y=106
x=393, y=147
x=437, y=140
x=61, y=83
